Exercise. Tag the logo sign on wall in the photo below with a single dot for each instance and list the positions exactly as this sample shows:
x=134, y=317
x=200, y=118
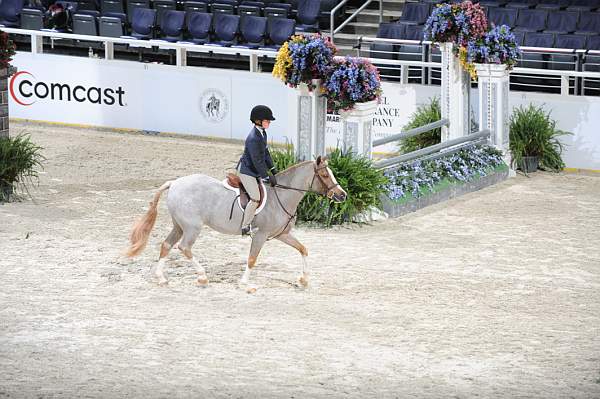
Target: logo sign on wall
x=214, y=105
x=25, y=89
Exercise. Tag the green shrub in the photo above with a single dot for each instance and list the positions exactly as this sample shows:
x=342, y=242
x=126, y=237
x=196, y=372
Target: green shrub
x=425, y=114
x=362, y=182
x=20, y=160
x=534, y=133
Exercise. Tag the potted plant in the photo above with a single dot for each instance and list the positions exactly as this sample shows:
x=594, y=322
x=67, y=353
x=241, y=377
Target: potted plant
x=304, y=60
x=534, y=140
x=352, y=83
x=20, y=161
x=496, y=52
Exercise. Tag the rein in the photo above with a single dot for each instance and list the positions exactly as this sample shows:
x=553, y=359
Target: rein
x=316, y=174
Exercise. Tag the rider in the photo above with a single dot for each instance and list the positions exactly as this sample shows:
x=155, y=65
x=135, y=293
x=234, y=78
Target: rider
x=256, y=162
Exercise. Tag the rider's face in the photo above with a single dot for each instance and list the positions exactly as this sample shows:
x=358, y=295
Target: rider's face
x=265, y=124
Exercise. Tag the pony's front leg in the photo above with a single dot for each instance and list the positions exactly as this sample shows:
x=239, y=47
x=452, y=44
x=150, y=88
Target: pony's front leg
x=293, y=242
x=258, y=240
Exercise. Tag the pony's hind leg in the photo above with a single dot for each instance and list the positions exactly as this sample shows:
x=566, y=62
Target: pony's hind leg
x=185, y=245
x=258, y=240
x=165, y=247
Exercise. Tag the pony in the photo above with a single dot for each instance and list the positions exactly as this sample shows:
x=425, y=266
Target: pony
x=197, y=200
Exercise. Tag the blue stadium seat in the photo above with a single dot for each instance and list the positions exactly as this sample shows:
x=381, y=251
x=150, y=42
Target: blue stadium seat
x=416, y=13
x=198, y=26
x=253, y=30
x=111, y=26
x=259, y=4
x=161, y=6
x=413, y=32
x=285, y=6
x=593, y=42
x=121, y=16
x=279, y=30
x=391, y=30
x=87, y=5
x=589, y=23
x=133, y=4
x=199, y=6
x=10, y=12
x=107, y=6
x=84, y=25
x=143, y=22
x=308, y=14
x=576, y=42
x=172, y=24
x=531, y=20
x=275, y=12
x=493, y=3
x=521, y=4
x=32, y=19
x=552, y=5
x=583, y=5
x=222, y=8
x=226, y=28
x=562, y=22
x=245, y=9
x=534, y=39
x=325, y=13
x=503, y=16
x=92, y=13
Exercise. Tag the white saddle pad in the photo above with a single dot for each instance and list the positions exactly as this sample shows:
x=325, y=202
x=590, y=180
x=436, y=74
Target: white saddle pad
x=237, y=192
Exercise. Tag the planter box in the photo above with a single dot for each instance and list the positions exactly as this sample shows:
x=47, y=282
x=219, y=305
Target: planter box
x=441, y=192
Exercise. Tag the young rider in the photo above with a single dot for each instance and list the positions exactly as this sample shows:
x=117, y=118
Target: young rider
x=256, y=162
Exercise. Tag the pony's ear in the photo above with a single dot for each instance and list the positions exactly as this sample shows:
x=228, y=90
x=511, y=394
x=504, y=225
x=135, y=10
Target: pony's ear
x=319, y=160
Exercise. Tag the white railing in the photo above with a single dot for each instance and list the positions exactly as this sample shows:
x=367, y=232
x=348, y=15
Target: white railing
x=181, y=49
x=564, y=76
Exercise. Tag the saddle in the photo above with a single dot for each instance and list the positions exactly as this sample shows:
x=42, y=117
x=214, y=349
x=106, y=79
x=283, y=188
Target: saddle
x=234, y=183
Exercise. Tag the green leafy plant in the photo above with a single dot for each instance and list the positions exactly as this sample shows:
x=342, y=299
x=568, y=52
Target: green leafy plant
x=425, y=114
x=362, y=182
x=533, y=133
x=20, y=160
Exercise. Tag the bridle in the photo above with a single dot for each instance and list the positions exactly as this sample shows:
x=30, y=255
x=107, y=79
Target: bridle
x=329, y=194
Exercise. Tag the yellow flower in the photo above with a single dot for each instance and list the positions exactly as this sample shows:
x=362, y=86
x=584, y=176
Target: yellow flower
x=469, y=66
x=283, y=62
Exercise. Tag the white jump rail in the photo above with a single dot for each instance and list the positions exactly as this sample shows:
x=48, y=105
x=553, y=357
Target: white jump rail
x=181, y=49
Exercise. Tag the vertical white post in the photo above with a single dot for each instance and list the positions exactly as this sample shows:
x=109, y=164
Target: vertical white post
x=455, y=101
x=37, y=44
x=181, y=56
x=493, y=105
x=109, y=50
x=357, y=128
x=312, y=114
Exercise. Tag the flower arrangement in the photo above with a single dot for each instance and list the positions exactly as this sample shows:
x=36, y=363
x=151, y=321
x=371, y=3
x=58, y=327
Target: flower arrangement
x=498, y=46
x=417, y=178
x=349, y=81
x=304, y=58
x=7, y=50
x=458, y=23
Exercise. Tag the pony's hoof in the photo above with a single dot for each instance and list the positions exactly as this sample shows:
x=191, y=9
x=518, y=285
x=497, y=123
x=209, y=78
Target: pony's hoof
x=251, y=289
x=303, y=281
x=202, y=282
x=163, y=283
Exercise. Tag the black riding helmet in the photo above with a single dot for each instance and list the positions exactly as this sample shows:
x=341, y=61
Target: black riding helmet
x=261, y=113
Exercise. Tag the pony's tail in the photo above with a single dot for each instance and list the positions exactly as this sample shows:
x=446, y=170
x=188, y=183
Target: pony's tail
x=142, y=228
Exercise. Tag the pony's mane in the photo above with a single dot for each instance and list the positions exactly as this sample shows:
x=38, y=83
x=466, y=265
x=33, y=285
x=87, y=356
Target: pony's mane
x=294, y=167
